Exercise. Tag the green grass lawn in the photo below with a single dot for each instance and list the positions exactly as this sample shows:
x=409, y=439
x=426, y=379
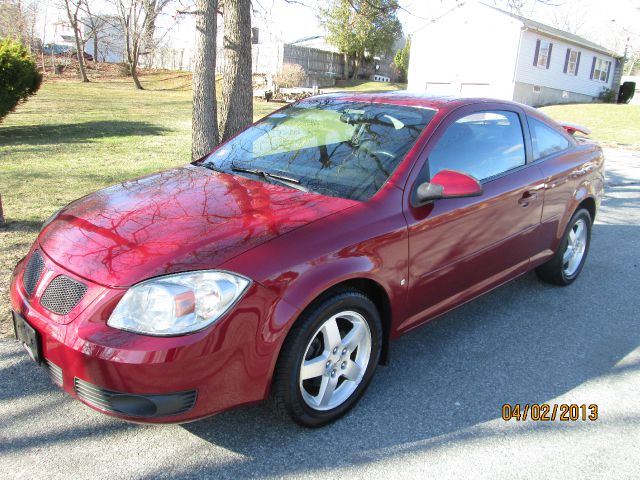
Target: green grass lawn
x=72, y=139
x=360, y=86
x=610, y=124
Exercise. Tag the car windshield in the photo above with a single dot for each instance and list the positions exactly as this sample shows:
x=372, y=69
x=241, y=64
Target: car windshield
x=333, y=147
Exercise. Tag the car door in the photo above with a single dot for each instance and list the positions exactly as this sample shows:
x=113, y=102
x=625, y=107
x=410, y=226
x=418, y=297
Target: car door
x=460, y=247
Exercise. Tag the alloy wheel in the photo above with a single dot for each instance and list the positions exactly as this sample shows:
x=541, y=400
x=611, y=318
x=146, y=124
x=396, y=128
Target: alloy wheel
x=576, y=246
x=335, y=360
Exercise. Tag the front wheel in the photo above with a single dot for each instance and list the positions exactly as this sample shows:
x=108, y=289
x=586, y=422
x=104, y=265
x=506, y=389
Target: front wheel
x=328, y=359
x=565, y=266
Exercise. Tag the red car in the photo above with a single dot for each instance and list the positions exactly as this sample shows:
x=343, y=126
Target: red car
x=282, y=264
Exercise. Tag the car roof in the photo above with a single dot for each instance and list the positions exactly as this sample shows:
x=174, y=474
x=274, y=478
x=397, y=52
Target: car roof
x=415, y=99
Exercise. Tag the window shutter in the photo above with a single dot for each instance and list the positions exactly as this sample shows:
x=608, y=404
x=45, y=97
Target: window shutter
x=549, y=55
x=577, y=64
x=608, y=70
x=566, y=60
x=535, y=56
x=593, y=67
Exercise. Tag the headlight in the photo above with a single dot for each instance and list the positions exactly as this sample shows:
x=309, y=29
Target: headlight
x=178, y=304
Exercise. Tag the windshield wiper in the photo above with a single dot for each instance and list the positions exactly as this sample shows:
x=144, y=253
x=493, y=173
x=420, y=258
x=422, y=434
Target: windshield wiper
x=282, y=179
x=209, y=166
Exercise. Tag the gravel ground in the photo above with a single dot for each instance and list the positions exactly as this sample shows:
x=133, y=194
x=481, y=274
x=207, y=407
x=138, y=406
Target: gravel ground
x=434, y=411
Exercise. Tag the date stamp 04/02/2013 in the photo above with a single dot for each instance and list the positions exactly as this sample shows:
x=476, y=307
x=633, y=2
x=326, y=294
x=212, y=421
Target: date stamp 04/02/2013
x=545, y=412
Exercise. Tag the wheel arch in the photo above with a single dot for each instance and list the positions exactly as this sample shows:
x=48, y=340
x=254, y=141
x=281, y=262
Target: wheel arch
x=589, y=204
x=583, y=197
x=373, y=289
x=380, y=298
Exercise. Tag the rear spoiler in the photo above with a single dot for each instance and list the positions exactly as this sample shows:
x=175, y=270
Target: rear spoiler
x=572, y=128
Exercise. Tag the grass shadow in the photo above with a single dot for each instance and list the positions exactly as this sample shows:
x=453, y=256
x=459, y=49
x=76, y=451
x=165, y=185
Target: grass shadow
x=84, y=132
x=21, y=226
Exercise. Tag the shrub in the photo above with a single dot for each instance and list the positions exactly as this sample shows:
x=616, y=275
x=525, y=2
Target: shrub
x=19, y=76
x=607, y=95
x=291, y=75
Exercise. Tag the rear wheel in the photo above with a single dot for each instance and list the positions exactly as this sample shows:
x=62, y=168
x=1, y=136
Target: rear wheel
x=328, y=359
x=565, y=266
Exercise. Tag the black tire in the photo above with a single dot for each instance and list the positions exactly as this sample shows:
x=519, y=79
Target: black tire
x=286, y=395
x=553, y=271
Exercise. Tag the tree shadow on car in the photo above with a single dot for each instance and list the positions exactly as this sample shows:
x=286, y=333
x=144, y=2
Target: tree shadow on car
x=527, y=342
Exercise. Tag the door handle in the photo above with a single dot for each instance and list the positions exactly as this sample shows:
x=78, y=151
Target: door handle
x=527, y=197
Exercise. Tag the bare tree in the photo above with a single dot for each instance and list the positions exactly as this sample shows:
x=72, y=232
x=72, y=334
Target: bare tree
x=95, y=26
x=73, y=9
x=236, y=111
x=571, y=20
x=520, y=7
x=151, y=7
x=137, y=18
x=11, y=20
x=205, y=127
x=18, y=19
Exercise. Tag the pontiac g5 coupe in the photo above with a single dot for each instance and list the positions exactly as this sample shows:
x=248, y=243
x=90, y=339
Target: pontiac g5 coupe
x=283, y=263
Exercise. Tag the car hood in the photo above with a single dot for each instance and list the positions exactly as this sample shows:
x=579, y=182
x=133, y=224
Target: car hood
x=185, y=219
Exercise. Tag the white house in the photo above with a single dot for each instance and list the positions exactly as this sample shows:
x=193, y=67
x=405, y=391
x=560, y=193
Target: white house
x=479, y=50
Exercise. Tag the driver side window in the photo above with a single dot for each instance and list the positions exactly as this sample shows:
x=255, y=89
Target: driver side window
x=482, y=144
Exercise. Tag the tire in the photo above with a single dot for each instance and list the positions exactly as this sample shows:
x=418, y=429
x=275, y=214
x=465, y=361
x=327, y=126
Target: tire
x=335, y=366
x=559, y=270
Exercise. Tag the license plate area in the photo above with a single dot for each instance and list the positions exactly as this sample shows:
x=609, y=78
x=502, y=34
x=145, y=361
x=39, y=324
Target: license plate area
x=27, y=336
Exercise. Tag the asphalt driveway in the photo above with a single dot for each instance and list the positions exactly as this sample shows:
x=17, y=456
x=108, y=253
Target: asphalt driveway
x=435, y=411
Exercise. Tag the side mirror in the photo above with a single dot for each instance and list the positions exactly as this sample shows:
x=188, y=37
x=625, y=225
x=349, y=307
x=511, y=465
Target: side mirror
x=447, y=184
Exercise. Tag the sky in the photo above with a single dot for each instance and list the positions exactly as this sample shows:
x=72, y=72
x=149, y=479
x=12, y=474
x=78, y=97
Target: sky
x=608, y=22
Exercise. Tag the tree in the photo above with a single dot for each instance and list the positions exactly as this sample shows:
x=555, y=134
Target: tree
x=11, y=21
x=18, y=20
x=204, y=130
x=72, y=8
x=236, y=111
x=401, y=60
x=19, y=76
x=137, y=18
x=524, y=7
x=95, y=26
x=362, y=28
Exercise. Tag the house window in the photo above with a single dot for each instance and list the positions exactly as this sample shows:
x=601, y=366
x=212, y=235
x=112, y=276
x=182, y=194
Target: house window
x=572, y=62
x=600, y=69
x=542, y=57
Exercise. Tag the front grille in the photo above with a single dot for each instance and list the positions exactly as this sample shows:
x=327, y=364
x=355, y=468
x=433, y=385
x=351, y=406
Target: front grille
x=55, y=372
x=33, y=272
x=62, y=294
x=135, y=405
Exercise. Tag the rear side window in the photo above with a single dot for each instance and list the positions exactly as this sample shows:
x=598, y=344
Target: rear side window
x=483, y=144
x=546, y=140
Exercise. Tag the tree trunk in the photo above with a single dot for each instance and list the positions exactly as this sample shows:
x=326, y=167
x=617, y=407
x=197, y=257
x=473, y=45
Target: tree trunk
x=150, y=7
x=356, y=67
x=347, y=69
x=73, y=20
x=133, y=67
x=1, y=213
x=80, y=52
x=205, y=128
x=237, y=100
x=95, y=46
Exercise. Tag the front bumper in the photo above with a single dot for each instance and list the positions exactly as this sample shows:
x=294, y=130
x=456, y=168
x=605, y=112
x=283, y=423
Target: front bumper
x=152, y=379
